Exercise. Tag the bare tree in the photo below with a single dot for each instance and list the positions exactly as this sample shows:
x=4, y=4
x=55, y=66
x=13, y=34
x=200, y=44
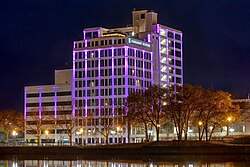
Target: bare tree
x=173, y=109
x=136, y=115
x=67, y=122
x=154, y=100
x=37, y=124
x=104, y=124
x=214, y=108
x=9, y=121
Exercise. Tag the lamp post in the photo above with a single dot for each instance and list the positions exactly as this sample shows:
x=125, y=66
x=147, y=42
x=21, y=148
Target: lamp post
x=14, y=134
x=81, y=131
x=229, y=119
x=199, y=128
x=46, y=133
x=117, y=131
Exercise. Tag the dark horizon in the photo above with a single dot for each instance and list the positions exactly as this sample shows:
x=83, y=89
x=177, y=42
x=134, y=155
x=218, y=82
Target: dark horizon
x=37, y=38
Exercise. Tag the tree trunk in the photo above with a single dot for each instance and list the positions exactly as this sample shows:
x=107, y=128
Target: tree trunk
x=199, y=131
x=179, y=134
x=210, y=136
x=157, y=133
x=146, y=132
x=107, y=138
x=186, y=131
x=70, y=139
x=206, y=130
x=38, y=140
x=186, y=134
x=202, y=133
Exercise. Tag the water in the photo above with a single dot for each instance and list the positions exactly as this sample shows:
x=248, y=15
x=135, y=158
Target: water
x=112, y=163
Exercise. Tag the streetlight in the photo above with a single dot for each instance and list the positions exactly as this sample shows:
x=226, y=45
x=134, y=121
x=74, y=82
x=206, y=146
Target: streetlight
x=229, y=119
x=81, y=132
x=14, y=134
x=46, y=133
x=199, y=128
x=118, y=130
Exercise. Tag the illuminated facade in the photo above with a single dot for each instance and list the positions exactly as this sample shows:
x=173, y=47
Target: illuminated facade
x=108, y=64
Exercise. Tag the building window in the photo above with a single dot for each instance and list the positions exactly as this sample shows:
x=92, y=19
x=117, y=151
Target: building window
x=47, y=94
x=178, y=45
x=88, y=35
x=96, y=43
x=95, y=34
x=143, y=16
x=178, y=63
x=32, y=95
x=178, y=71
x=177, y=53
x=170, y=34
x=32, y=104
x=178, y=80
x=178, y=37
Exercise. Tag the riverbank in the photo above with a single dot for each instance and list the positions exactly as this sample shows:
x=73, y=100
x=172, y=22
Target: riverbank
x=156, y=151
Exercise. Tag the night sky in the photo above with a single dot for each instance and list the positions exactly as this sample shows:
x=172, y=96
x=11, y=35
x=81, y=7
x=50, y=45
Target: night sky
x=36, y=38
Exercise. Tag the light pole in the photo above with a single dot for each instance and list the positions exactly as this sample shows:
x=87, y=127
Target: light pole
x=199, y=128
x=81, y=131
x=14, y=134
x=119, y=131
x=46, y=133
x=229, y=119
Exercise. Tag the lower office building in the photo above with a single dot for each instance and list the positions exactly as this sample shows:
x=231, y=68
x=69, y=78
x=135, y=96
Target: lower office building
x=48, y=109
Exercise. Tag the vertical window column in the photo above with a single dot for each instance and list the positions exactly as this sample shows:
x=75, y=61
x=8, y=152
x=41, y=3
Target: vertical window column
x=126, y=72
x=99, y=83
x=85, y=85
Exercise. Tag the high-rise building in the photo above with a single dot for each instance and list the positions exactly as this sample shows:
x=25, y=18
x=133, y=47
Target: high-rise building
x=111, y=63
x=108, y=64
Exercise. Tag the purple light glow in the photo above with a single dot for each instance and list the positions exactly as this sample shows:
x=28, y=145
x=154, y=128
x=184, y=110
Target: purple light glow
x=55, y=102
x=113, y=89
x=126, y=71
x=143, y=68
x=85, y=42
x=152, y=71
x=86, y=105
x=159, y=54
x=149, y=38
x=174, y=64
x=83, y=34
x=158, y=28
x=73, y=86
x=167, y=56
x=99, y=32
x=40, y=102
x=181, y=62
x=25, y=102
x=99, y=80
x=135, y=69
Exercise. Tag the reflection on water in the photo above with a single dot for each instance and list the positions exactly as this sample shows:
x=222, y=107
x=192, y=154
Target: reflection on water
x=88, y=163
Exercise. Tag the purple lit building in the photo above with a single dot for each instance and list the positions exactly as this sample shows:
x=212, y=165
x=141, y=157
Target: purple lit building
x=108, y=64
